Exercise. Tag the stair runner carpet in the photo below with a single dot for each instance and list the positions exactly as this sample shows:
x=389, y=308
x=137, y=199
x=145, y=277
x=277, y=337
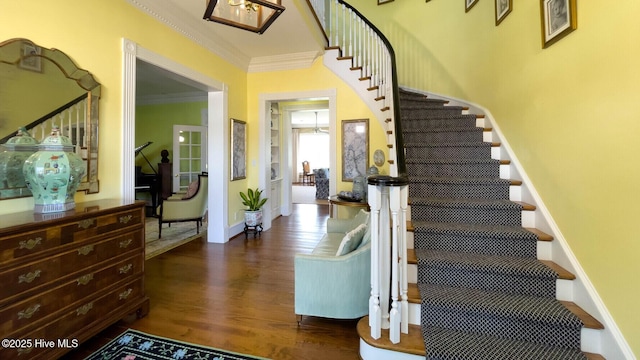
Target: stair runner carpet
x=484, y=294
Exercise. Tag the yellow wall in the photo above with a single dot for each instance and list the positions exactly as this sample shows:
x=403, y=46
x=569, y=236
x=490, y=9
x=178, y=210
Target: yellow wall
x=155, y=123
x=570, y=112
x=317, y=77
x=91, y=33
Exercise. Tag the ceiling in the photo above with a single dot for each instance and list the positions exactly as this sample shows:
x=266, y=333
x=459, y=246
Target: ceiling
x=288, y=43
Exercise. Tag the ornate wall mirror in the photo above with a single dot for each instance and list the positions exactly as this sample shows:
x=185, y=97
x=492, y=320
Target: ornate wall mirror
x=40, y=88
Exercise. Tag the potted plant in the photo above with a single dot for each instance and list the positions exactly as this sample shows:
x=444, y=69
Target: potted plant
x=254, y=201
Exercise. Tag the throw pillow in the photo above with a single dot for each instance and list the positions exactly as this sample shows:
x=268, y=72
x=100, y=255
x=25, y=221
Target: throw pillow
x=192, y=189
x=351, y=240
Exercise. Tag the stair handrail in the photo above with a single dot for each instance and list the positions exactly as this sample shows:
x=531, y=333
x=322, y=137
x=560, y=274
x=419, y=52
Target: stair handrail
x=387, y=194
x=333, y=39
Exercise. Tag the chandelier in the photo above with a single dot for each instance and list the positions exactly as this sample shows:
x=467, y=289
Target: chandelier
x=251, y=15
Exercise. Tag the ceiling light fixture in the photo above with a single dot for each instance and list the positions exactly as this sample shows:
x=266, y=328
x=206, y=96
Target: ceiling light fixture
x=253, y=15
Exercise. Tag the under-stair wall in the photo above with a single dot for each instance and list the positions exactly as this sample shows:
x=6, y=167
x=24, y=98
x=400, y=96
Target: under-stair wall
x=608, y=342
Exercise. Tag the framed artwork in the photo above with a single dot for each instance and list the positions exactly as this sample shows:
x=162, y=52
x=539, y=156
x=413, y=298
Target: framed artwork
x=558, y=18
x=355, y=148
x=380, y=2
x=468, y=4
x=503, y=8
x=29, y=59
x=238, y=149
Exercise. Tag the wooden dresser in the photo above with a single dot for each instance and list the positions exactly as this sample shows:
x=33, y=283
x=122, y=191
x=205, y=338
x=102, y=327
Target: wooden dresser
x=64, y=277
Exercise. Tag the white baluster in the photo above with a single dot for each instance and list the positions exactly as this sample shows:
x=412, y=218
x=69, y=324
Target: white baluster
x=404, y=267
x=395, y=314
x=375, y=312
x=385, y=255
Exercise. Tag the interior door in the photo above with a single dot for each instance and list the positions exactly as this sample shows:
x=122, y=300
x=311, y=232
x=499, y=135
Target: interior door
x=189, y=154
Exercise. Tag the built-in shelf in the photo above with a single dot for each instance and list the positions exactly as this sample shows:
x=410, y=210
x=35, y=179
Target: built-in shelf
x=276, y=170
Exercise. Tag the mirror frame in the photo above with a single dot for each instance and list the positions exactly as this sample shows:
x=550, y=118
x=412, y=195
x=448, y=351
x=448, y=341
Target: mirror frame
x=85, y=80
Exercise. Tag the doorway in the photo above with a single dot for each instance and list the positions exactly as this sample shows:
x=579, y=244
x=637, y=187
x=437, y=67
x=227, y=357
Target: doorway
x=215, y=94
x=310, y=147
x=293, y=102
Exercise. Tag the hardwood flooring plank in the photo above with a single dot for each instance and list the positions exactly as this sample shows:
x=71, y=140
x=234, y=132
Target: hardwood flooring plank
x=239, y=296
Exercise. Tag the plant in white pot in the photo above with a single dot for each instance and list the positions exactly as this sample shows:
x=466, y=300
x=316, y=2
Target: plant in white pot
x=254, y=201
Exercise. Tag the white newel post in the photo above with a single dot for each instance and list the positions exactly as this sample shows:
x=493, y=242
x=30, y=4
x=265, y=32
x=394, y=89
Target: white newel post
x=375, y=313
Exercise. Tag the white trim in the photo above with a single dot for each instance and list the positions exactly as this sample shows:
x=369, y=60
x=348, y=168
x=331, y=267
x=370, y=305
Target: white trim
x=264, y=174
x=611, y=343
x=218, y=165
x=217, y=46
x=283, y=62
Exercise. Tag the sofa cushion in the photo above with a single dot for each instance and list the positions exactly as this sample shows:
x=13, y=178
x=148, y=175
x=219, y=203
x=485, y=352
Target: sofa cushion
x=351, y=240
x=328, y=245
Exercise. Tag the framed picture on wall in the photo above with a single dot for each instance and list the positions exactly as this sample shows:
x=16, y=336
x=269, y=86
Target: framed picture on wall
x=468, y=4
x=503, y=8
x=355, y=148
x=30, y=59
x=238, y=149
x=558, y=19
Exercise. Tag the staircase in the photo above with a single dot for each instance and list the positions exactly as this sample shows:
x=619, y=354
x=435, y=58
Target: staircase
x=481, y=290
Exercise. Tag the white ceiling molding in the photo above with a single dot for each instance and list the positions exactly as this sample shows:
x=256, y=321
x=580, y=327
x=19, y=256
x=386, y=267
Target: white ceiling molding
x=283, y=62
x=177, y=20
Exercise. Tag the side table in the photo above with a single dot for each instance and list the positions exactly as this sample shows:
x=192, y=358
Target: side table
x=335, y=200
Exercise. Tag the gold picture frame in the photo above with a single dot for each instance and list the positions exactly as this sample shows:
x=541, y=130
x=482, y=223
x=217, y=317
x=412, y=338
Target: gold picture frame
x=503, y=8
x=238, y=163
x=558, y=19
x=468, y=4
x=355, y=148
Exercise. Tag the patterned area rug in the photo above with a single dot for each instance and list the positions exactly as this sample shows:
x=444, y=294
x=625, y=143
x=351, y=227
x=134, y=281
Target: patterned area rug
x=136, y=345
x=172, y=237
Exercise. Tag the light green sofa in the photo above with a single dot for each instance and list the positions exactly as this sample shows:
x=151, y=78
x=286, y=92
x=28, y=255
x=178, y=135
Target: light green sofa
x=331, y=286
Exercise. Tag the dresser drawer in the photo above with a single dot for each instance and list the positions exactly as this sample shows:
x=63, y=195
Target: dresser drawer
x=23, y=245
x=23, y=280
x=94, y=280
x=70, y=324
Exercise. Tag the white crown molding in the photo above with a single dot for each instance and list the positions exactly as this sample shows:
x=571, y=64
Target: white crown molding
x=301, y=60
x=172, y=98
x=171, y=18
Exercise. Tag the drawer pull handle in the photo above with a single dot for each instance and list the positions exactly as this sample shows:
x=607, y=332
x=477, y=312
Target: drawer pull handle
x=85, y=250
x=84, y=309
x=31, y=243
x=84, y=224
x=125, y=219
x=29, y=277
x=125, y=243
x=28, y=312
x=125, y=294
x=125, y=269
x=85, y=279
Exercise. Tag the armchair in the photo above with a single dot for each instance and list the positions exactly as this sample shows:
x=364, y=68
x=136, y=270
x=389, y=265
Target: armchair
x=191, y=207
x=322, y=183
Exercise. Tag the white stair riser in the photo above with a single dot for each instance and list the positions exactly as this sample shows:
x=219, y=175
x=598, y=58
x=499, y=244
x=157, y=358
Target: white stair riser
x=368, y=352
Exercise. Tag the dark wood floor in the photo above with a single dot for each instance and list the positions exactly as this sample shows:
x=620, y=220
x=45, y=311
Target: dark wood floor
x=238, y=296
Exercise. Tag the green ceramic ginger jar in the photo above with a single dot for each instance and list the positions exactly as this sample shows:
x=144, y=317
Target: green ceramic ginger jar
x=17, y=150
x=53, y=173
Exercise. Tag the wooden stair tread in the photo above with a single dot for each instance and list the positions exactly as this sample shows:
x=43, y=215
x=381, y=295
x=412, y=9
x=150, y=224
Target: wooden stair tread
x=411, y=343
x=563, y=273
x=588, y=320
x=542, y=236
x=345, y=57
x=526, y=206
x=413, y=294
x=364, y=78
x=373, y=88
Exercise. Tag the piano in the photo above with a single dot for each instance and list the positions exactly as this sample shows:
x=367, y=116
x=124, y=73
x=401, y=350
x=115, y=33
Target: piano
x=147, y=183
